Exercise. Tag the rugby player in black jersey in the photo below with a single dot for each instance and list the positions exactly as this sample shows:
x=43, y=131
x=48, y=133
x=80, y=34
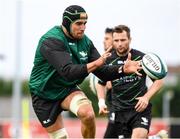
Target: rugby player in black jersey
x=130, y=110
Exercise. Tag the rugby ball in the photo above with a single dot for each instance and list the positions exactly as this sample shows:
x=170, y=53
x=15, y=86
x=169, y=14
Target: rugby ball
x=154, y=66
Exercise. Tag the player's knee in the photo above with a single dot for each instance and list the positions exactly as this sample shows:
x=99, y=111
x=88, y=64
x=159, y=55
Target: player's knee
x=140, y=133
x=77, y=102
x=86, y=115
x=59, y=134
x=89, y=118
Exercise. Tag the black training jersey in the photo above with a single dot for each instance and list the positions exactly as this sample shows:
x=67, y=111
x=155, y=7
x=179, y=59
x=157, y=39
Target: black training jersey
x=127, y=87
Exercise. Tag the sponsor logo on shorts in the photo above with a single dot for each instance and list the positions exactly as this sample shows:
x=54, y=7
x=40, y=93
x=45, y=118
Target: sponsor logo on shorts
x=112, y=117
x=144, y=121
x=46, y=121
x=121, y=137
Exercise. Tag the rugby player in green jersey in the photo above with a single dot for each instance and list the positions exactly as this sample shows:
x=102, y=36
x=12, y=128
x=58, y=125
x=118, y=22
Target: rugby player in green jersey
x=63, y=58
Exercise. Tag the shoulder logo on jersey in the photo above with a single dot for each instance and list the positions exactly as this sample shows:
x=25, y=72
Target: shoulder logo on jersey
x=83, y=54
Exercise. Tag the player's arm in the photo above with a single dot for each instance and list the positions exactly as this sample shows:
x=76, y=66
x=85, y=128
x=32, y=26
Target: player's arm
x=92, y=66
x=144, y=100
x=104, y=72
x=101, y=91
x=112, y=72
x=54, y=51
x=108, y=85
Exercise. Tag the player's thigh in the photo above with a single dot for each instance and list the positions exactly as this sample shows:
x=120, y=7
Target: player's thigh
x=142, y=123
x=65, y=104
x=77, y=103
x=139, y=133
x=142, y=120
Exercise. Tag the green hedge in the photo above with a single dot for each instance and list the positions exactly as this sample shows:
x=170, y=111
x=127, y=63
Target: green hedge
x=7, y=85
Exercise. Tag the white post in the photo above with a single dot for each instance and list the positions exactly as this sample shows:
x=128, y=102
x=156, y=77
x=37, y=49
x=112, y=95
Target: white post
x=16, y=98
x=166, y=104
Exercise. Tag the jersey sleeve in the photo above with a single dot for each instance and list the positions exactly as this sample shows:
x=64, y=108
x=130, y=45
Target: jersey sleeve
x=54, y=51
x=106, y=72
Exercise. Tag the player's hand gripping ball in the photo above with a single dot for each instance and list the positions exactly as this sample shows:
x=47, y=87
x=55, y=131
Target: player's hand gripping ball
x=154, y=66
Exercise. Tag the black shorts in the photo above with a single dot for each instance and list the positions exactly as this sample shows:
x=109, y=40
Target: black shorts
x=47, y=111
x=125, y=121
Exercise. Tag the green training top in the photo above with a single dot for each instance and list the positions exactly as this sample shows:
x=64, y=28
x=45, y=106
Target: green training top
x=45, y=80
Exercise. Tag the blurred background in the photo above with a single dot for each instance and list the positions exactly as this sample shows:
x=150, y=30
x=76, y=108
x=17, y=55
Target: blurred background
x=155, y=27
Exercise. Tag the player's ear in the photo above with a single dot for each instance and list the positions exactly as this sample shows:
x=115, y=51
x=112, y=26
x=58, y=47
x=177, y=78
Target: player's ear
x=130, y=39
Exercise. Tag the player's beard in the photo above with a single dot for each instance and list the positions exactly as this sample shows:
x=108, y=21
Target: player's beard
x=78, y=36
x=123, y=51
